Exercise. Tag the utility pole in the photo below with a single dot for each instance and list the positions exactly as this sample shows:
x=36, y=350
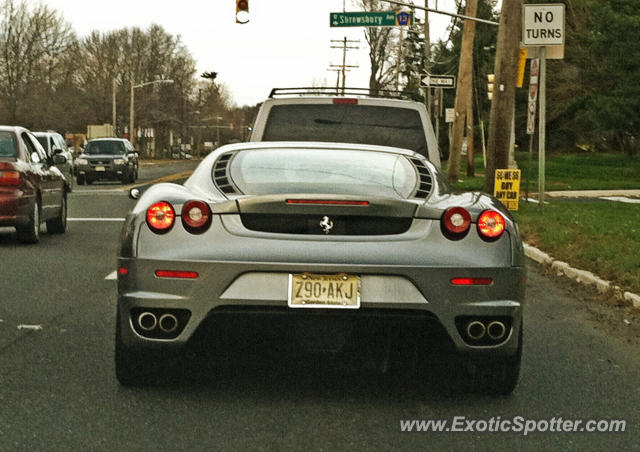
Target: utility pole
x=469, y=133
x=343, y=67
x=427, y=57
x=400, y=57
x=502, y=104
x=463, y=91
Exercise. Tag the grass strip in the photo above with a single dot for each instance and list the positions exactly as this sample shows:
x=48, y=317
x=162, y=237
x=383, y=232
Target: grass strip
x=602, y=237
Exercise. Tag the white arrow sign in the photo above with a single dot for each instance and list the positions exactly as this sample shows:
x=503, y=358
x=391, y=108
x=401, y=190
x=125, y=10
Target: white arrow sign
x=439, y=81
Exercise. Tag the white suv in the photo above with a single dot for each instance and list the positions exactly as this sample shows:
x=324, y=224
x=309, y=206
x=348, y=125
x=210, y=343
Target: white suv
x=354, y=115
x=53, y=143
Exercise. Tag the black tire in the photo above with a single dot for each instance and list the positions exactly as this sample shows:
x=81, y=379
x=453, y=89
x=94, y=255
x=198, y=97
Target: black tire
x=137, y=367
x=81, y=180
x=30, y=233
x=495, y=375
x=58, y=225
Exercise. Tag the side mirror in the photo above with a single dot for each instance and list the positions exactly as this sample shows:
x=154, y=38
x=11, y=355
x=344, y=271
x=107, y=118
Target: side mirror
x=59, y=159
x=135, y=193
x=56, y=151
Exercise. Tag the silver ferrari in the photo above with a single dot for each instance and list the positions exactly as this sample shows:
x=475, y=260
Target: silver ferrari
x=320, y=244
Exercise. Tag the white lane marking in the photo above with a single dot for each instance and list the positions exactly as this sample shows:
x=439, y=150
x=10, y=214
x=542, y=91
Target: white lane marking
x=621, y=199
x=112, y=276
x=95, y=219
x=30, y=327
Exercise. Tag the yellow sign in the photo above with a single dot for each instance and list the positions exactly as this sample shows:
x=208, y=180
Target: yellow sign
x=522, y=63
x=507, y=187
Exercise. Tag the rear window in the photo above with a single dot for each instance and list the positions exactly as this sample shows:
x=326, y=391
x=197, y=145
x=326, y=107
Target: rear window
x=7, y=144
x=275, y=171
x=105, y=148
x=347, y=123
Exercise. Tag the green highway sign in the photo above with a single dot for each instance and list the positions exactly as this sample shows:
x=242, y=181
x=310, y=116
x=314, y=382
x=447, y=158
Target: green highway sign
x=371, y=19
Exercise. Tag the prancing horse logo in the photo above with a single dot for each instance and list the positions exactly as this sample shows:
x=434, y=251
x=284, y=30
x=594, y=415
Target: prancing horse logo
x=326, y=224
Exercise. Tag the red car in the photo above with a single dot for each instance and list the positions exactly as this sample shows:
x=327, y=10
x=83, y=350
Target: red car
x=32, y=188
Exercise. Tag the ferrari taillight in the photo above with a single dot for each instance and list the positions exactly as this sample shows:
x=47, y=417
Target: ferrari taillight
x=491, y=225
x=456, y=222
x=196, y=216
x=9, y=178
x=160, y=217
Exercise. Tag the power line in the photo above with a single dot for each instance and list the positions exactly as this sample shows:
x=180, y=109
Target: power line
x=345, y=48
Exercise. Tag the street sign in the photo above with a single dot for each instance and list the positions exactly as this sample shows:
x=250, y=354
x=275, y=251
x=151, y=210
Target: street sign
x=439, y=81
x=543, y=25
x=371, y=19
x=534, y=70
x=552, y=52
x=531, y=117
x=449, y=115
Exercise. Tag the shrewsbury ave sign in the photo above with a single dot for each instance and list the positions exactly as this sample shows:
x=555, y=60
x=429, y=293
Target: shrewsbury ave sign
x=371, y=19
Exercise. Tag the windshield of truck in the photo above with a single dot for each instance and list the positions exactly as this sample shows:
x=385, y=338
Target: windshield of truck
x=105, y=148
x=347, y=123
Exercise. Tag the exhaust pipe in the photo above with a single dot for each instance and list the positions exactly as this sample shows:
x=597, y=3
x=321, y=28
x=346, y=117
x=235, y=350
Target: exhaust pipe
x=147, y=321
x=496, y=330
x=476, y=330
x=168, y=323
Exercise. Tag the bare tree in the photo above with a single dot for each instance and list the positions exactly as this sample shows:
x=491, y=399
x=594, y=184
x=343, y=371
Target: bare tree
x=34, y=44
x=383, y=42
x=134, y=56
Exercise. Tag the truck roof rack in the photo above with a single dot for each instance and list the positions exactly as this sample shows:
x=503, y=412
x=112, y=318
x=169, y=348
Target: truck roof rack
x=333, y=91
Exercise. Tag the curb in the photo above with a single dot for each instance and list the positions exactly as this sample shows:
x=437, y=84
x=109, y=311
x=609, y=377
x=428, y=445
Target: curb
x=582, y=276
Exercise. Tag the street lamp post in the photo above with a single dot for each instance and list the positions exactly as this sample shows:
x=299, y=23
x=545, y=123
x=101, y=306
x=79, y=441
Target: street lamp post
x=113, y=104
x=132, y=135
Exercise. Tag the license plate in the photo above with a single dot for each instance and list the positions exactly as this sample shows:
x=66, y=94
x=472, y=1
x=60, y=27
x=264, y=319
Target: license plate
x=307, y=290
x=99, y=168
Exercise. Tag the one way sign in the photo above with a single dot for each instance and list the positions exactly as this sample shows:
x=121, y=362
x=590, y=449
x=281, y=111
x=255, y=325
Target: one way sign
x=439, y=81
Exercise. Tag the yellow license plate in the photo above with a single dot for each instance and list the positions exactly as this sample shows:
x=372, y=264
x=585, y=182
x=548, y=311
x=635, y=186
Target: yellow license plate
x=307, y=290
x=99, y=168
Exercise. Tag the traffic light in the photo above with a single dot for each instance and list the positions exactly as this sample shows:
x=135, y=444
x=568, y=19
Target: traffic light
x=242, y=11
x=491, y=79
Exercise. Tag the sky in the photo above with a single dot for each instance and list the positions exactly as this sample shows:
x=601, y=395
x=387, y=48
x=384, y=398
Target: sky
x=285, y=43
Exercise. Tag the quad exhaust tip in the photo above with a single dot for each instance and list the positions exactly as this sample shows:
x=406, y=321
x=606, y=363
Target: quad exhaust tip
x=168, y=323
x=496, y=330
x=147, y=321
x=476, y=330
